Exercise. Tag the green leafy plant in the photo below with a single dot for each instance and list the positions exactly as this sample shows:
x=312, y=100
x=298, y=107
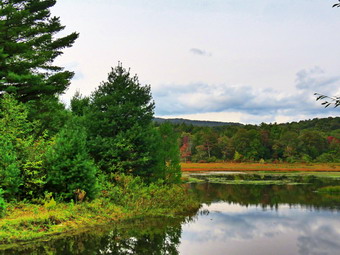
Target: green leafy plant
x=68, y=164
x=49, y=202
x=2, y=204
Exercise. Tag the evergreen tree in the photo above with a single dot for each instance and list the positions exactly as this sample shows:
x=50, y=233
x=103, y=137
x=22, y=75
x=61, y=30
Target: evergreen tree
x=119, y=120
x=68, y=164
x=49, y=113
x=79, y=104
x=28, y=47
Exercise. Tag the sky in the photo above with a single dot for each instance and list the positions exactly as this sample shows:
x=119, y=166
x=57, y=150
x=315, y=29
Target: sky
x=221, y=60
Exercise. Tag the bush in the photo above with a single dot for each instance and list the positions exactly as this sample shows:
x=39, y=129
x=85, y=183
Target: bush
x=212, y=159
x=327, y=158
x=150, y=199
x=2, y=204
x=68, y=164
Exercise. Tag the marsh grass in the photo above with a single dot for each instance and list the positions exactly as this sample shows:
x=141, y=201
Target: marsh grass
x=230, y=166
x=128, y=198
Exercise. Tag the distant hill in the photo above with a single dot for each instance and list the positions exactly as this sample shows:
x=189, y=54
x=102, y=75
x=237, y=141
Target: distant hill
x=200, y=123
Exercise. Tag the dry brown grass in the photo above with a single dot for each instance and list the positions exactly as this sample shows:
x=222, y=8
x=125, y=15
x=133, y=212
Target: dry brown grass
x=305, y=167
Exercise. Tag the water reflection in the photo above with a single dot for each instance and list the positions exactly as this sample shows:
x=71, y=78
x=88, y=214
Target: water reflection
x=267, y=196
x=145, y=236
x=235, y=229
x=233, y=219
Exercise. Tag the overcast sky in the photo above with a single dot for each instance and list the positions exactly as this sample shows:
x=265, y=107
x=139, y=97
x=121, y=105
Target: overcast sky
x=225, y=60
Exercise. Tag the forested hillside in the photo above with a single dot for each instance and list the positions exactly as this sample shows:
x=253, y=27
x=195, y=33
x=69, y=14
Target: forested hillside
x=316, y=140
x=200, y=123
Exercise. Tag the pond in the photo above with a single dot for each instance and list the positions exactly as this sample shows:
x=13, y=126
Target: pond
x=240, y=214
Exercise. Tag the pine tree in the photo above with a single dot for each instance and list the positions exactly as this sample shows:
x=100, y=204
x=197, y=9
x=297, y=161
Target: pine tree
x=68, y=164
x=119, y=120
x=28, y=47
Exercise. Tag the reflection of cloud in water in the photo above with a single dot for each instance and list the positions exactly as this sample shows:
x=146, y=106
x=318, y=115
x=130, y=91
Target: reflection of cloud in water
x=229, y=226
x=320, y=240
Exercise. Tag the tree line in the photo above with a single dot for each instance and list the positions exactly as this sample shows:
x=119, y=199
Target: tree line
x=316, y=140
x=45, y=147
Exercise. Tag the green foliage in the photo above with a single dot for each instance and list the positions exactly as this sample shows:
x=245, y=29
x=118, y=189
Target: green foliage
x=28, y=48
x=68, y=164
x=237, y=157
x=248, y=143
x=34, y=179
x=225, y=145
x=149, y=199
x=2, y=203
x=119, y=123
x=14, y=140
x=312, y=143
x=49, y=202
x=316, y=140
x=21, y=155
x=328, y=157
x=169, y=153
x=10, y=178
x=79, y=104
x=49, y=114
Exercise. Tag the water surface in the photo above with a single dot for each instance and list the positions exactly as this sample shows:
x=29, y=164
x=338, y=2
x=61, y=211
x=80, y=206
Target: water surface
x=234, y=219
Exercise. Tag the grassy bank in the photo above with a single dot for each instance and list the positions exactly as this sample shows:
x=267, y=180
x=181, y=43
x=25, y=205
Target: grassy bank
x=129, y=198
x=239, y=167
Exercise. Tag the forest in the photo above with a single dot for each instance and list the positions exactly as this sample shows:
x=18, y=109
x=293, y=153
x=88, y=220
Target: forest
x=316, y=140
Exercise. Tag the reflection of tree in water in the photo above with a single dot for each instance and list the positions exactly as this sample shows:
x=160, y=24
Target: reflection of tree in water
x=147, y=236
x=269, y=195
x=159, y=237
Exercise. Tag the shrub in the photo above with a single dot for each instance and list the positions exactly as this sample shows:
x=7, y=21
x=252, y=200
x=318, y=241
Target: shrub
x=2, y=204
x=212, y=159
x=9, y=168
x=327, y=158
x=237, y=157
x=68, y=164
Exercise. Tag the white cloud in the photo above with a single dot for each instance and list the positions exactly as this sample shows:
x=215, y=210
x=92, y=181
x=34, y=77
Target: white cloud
x=258, y=47
x=255, y=105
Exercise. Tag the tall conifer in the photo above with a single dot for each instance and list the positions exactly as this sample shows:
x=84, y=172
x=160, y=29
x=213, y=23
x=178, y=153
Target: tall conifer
x=28, y=47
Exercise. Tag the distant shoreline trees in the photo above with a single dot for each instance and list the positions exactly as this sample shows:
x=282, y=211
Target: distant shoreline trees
x=316, y=140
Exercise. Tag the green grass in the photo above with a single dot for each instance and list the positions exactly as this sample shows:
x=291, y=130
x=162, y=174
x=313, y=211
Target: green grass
x=128, y=198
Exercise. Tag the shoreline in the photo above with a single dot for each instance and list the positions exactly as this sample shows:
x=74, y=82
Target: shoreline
x=29, y=223
x=245, y=167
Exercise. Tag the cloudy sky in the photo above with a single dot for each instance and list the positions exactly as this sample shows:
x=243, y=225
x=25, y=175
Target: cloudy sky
x=225, y=60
